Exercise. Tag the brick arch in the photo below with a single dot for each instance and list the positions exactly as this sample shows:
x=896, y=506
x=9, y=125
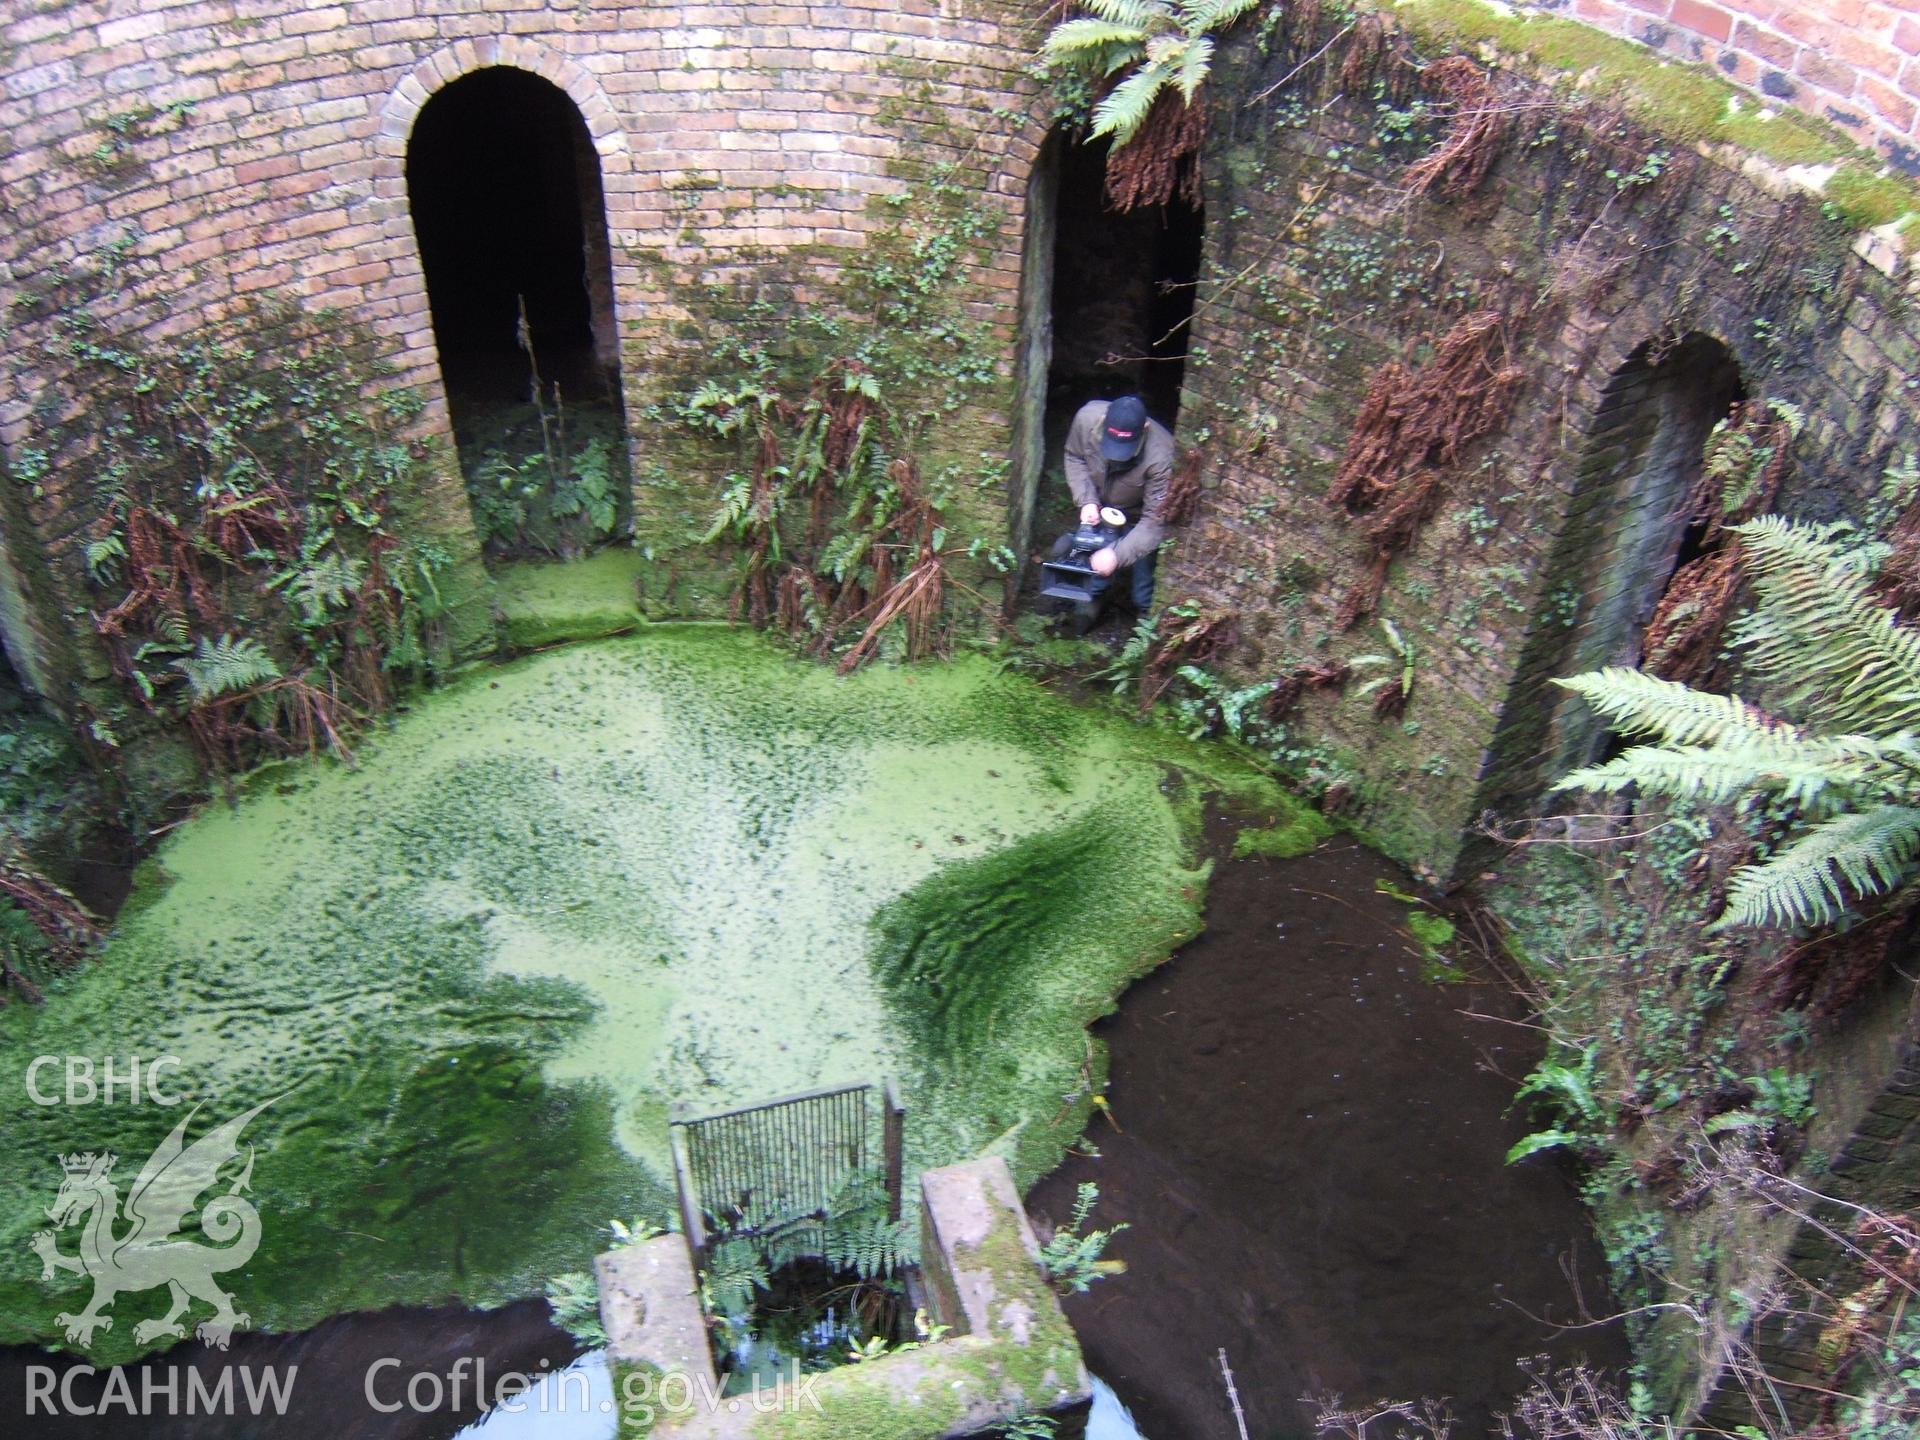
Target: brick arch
x=410, y=317
x=440, y=69
x=1648, y=415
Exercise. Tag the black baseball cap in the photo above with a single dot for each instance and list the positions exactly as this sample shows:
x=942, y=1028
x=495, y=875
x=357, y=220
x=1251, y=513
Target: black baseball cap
x=1125, y=428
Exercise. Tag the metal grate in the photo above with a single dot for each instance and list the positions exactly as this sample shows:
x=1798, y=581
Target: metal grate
x=779, y=1164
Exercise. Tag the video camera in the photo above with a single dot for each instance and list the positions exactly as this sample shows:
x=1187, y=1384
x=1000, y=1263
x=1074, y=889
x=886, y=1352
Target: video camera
x=1068, y=575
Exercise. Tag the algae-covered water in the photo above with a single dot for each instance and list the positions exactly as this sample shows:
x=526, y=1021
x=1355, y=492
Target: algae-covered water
x=561, y=895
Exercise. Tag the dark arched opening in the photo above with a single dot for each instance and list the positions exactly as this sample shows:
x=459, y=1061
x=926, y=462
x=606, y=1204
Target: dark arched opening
x=1629, y=528
x=504, y=187
x=1107, y=306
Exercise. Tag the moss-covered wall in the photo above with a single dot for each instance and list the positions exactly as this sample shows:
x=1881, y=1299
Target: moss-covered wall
x=1592, y=236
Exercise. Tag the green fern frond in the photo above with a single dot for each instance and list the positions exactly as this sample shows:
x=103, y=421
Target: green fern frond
x=1719, y=773
x=1807, y=883
x=326, y=585
x=226, y=666
x=1849, y=662
x=1124, y=109
x=1196, y=57
x=1141, y=15
x=1645, y=704
x=1076, y=39
x=1200, y=16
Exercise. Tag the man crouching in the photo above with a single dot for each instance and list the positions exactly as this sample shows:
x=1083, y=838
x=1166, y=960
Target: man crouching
x=1118, y=457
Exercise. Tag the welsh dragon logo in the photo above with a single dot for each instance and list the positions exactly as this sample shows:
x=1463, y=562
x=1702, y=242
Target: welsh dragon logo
x=150, y=1252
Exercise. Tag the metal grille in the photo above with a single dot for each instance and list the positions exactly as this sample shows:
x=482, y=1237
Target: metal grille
x=778, y=1165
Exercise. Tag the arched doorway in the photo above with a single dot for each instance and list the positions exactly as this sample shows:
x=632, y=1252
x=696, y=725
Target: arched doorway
x=1107, y=301
x=1627, y=530
x=503, y=185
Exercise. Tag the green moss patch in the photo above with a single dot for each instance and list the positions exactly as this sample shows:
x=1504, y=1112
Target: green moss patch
x=1299, y=835
x=561, y=895
x=546, y=602
x=1674, y=100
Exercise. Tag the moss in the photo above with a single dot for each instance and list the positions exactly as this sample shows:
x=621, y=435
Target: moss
x=560, y=894
x=546, y=602
x=1300, y=835
x=1051, y=1356
x=1681, y=102
x=1864, y=202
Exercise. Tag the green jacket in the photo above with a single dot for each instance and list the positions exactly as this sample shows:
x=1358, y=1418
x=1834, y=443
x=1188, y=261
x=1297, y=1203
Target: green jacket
x=1140, y=489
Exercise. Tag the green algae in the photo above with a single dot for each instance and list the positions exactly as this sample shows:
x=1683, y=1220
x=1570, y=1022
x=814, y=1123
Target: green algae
x=547, y=602
x=563, y=894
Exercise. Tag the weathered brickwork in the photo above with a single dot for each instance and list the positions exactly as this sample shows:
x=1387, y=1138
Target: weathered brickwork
x=1321, y=266
x=740, y=144
x=1854, y=62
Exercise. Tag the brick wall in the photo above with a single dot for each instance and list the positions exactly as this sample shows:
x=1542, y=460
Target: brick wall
x=728, y=135
x=1854, y=62
x=1321, y=267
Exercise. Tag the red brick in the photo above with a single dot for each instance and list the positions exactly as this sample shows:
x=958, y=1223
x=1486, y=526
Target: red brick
x=1871, y=56
x=1708, y=20
x=1888, y=103
x=1827, y=73
x=1775, y=50
x=1906, y=35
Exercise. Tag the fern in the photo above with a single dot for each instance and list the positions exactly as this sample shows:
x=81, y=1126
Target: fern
x=1677, y=714
x=226, y=666
x=574, y=1299
x=1150, y=45
x=1871, y=851
x=1849, y=670
x=1850, y=663
x=1072, y=1256
x=326, y=585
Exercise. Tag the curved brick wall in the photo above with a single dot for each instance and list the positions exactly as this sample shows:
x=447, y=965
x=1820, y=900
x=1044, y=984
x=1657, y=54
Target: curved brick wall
x=722, y=130
x=1854, y=62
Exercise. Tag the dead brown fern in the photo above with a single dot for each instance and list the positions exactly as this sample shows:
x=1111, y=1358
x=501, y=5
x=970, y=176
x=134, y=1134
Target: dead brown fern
x=1183, y=488
x=70, y=931
x=1460, y=162
x=1746, y=464
x=1288, y=691
x=1162, y=161
x=1682, y=640
x=1827, y=974
x=1186, y=636
x=1412, y=427
x=917, y=598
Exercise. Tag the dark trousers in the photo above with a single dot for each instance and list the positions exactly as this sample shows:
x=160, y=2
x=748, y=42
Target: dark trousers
x=1140, y=576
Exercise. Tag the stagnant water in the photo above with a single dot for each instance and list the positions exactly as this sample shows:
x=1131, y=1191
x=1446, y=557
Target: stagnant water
x=482, y=964
x=1307, y=1146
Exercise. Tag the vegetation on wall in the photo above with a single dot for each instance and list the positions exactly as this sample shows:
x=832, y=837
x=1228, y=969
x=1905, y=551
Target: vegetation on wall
x=843, y=536
x=250, y=574
x=1848, y=770
x=1141, y=64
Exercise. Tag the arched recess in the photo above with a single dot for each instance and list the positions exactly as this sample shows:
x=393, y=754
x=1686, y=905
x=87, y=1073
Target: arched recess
x=1626, y=532
x=501, y=151
x=1106, y=306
